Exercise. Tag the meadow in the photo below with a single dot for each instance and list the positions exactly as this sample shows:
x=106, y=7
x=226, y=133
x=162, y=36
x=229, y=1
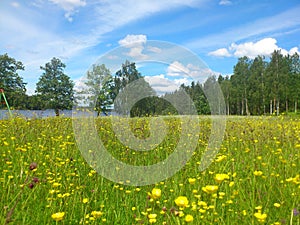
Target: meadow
x=254, y=178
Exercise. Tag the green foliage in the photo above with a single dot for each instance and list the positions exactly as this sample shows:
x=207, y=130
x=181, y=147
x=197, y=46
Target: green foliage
x=128, y=86
x=97, y=93
x=11, y=81
x=55, y=87
x=259, y=87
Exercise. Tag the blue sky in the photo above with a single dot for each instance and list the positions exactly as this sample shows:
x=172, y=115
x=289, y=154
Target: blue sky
x=80, y=31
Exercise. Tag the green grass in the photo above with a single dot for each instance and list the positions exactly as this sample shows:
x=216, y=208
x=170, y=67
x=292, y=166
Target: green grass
x=63, y=182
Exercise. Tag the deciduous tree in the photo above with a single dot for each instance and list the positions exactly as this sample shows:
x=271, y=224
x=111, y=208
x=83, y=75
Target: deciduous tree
x=55, y=87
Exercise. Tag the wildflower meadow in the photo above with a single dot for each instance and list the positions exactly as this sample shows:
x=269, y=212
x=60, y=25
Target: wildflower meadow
x=254, y=178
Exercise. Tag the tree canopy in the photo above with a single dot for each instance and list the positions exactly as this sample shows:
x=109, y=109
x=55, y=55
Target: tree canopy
x=10, y=81
x=55, y=87
x=97, y=90
x=257, y=86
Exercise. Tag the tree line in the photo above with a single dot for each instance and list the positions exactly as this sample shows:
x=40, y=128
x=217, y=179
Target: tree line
x=257, y=86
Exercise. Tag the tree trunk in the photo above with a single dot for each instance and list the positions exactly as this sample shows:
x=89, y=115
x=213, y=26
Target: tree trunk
x=295, y=106
x=56, y=112
x=274, y=105
x=271, y=107
x=286, y=106
x=247, y=108
x=242, y=112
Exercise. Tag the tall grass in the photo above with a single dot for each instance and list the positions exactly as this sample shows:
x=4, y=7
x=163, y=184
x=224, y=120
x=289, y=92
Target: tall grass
x=254, y=179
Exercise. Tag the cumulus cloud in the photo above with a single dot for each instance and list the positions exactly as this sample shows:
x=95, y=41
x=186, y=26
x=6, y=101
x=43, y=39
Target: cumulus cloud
x=69, y=6
x=162, y=84
x=177, y=69
x=263, y=47
x=135, y=44
x=221, y=52
x=294, y=50
x=251, y=49
x=132, y=39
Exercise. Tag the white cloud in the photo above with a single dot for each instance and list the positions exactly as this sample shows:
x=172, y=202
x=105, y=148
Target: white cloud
x=161, y=84
x=294, y=50
x=79, y=84
x=69, y=6
x=221, y=52
x=132, y=40
x=177, y=69
x=225, y=2
x=135, y=44
x=117, y=13
x=281, y=22
x=182, y=81
x=38, y=27
x=252, y=49
x=263, y=47
x=194, y=72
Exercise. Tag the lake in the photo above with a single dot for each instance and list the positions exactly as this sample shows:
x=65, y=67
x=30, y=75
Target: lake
x=29, y=114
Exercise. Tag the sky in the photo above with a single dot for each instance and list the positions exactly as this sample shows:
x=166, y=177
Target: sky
x=172, y=41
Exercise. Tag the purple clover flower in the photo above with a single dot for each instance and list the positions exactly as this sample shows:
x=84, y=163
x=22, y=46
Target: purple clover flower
x=296, y=212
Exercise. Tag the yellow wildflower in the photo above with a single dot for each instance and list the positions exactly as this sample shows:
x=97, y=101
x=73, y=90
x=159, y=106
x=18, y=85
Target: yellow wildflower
x=182, y=201
x=155, y=193
x=219, y=177
x=210, y=189
x=58, y=216
x=257, y=173
x=96, y=214
x=189, y=218
x=152, y=218
x=192, y=180
x=260, y=217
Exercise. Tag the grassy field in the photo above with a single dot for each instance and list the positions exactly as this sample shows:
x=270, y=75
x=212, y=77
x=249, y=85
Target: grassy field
x=254, y=178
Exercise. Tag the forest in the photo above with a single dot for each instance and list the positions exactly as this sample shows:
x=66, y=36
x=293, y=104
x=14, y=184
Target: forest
x=257, y=86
